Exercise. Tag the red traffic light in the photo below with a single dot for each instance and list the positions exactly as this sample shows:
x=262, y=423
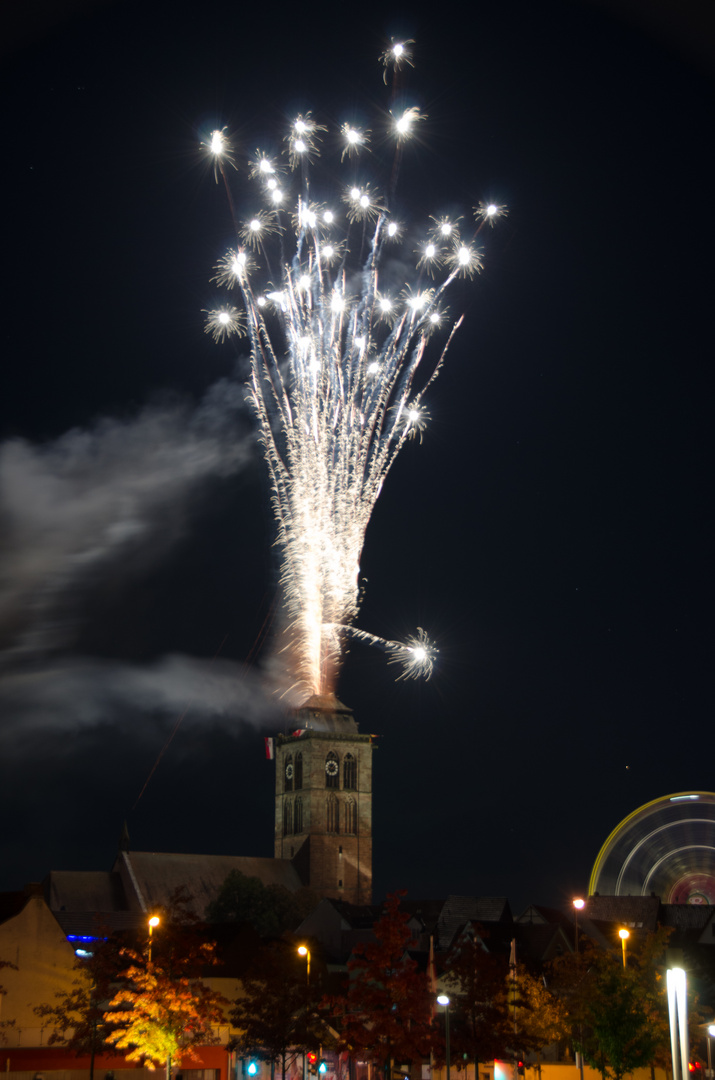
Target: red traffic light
x=312, y=1057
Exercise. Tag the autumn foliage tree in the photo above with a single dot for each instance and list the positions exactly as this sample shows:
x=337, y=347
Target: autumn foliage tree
x=164, y=1011
x=385, y=1014
x=76, y=1017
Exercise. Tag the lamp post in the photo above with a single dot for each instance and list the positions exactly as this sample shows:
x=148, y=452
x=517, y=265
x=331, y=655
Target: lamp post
x=624, y=935
x=153, y=921
x=578, y=905
x=444, y=1001
x=303, y=950
x=711, y=1033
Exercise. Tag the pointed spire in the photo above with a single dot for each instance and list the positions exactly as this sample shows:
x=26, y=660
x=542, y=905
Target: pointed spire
x=124, y=838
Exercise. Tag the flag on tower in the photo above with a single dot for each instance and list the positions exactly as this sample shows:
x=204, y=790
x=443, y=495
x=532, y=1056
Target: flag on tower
x=270, y=753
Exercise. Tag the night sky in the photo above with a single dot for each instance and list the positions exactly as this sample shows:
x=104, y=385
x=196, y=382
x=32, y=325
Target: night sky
x=552, y=532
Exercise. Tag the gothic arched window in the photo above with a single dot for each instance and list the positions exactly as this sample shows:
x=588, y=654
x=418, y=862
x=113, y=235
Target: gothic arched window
x=287, y=817
x=351, y=817
x=333, y=814
x=298, y=816
x=332, y=770
x=288, y=773
x=298, y=772
x=350, y=773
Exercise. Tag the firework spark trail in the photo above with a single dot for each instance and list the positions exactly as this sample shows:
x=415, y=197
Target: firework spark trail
x=334, y=360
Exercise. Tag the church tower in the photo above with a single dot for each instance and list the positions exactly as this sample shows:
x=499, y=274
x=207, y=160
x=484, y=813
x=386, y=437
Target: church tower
x=324, y=800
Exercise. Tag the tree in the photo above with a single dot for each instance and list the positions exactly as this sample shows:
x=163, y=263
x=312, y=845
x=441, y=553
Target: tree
x=77, y=1015
x=164, y=1010
x=386, y=1012
x=275, y=1012
x=541, y=1017
x=476, y=981
x=617, y=1016
x=271, y=909
x=169, y=1016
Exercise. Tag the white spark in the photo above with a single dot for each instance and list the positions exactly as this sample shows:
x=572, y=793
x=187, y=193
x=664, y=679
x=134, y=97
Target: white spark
x=225, y=322
x=405, y=123
x=489, y=212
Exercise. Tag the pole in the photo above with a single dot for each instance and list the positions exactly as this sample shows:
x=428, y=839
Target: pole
x=446, y=1036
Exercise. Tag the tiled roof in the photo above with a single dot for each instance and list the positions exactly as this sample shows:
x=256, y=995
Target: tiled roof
x=634, y=912
x=150, y=878
x=686, y=916
x=458, y=910
x=84, y=890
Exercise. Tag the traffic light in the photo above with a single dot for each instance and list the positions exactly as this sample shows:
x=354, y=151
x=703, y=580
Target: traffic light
x=252, y=1067
x=322, y=1066
x=312, y=1059
x=520, y=1068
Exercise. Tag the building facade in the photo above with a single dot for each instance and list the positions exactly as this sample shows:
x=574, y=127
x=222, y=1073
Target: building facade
x=323, y=804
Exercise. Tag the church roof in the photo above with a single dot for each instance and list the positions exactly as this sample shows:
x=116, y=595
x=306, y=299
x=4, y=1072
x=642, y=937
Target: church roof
x=82, y=890
x=150, y=878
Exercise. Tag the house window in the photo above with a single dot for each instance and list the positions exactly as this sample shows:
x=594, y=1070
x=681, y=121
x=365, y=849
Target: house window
x=287, y=817
x=332, y=770
x=298, y=772
x=350, y=773
x=333, y=814
x=351, y=817
x=298, y=816
x=288, y=773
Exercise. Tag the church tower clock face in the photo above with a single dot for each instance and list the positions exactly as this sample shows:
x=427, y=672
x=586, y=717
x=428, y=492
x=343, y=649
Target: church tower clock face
x=289, y=771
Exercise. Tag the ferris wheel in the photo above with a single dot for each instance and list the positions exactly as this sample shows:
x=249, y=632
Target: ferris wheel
x=666, y=847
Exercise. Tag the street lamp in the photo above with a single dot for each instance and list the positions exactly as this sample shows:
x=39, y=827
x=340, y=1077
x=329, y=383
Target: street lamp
x=444, y=1001
x=579, y=905
x=303, y=950
x=153, y=921
x=624, y=935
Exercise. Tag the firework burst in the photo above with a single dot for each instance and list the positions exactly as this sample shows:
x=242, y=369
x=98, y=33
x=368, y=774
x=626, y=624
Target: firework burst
x=335, y=359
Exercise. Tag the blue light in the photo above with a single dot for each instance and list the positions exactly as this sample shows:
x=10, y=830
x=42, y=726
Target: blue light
x=252, y=1068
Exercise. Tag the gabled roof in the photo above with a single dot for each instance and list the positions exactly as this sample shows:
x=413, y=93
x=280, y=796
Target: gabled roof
x=537, y=915
x=691, y=923
x=457, y=910
x=150, y=878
